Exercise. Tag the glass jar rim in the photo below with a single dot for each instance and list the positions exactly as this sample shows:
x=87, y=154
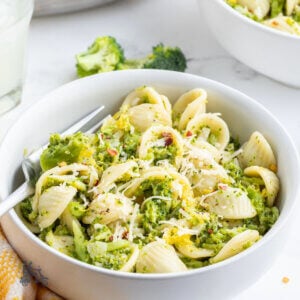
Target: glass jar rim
x=27, y=11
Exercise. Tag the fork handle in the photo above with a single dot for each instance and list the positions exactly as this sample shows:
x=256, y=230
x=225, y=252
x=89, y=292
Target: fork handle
x=24, y=191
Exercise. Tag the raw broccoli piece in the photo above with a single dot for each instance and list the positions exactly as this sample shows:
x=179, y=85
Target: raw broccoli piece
x=162, y=57
x=102, y=56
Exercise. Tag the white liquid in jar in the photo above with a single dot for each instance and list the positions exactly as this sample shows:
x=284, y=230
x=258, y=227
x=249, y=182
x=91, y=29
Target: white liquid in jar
x=13, y=34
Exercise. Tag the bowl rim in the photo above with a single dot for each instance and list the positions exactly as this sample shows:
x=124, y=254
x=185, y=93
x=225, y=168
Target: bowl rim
x=256, y=24
x=164, y=276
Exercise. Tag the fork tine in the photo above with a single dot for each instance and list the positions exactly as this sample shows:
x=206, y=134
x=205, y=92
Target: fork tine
x=94, y=128
x=85, y=123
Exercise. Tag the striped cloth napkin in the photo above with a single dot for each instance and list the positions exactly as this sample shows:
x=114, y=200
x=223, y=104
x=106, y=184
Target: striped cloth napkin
x=12, y=274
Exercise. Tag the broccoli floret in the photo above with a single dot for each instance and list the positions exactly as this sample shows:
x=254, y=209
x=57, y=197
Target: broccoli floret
x=69, y=149
x=102, y=56
x=277, y=7
x=162, y=57
x=105, y=55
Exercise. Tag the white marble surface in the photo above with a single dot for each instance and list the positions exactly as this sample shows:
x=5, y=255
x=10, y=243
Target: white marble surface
x=138, y=25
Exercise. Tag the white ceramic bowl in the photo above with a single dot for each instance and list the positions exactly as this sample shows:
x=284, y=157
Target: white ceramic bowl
x=266, y=50
x=76, y=280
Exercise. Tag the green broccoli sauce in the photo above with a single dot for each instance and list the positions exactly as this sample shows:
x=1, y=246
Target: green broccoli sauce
x=277, y=7
x=76, y=209
x=70, y=149
x=118, y=149
x=114, y=259
x=266, y=216
x=102, y=233
x=161, y=153
x=26, y=209
x=155, y=209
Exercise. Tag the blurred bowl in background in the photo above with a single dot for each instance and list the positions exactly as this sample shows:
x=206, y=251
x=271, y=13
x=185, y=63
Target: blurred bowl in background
x=266, y=50
x=50, y=7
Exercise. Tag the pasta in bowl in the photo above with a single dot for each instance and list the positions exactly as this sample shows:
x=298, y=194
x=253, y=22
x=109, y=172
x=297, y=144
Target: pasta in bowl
x=166, y=190
x=258, y=33
x=280, y=15
x=128, y=189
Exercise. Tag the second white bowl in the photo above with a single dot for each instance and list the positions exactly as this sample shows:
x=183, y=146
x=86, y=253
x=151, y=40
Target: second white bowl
x=266, y=50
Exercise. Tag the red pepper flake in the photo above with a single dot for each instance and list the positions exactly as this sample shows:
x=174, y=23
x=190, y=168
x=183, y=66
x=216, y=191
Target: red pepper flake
x=112, y=152
x=189, y=133
x=125, y=235
x=168, y=141
x=168, y=138
x=210, y=231
x=111, y=238
x=223, y=186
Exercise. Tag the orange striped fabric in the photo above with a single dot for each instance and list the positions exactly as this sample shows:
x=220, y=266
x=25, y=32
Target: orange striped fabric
x=11, y=271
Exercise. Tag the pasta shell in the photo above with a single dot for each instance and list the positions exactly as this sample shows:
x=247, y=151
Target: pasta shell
x=188, y=105
x=270, y=179
x=130, y=264
x=67, y=219
x=209, y=148
x=191, y=251
x=290, y=5
x=166, y=103
x=257, y=152
x=32, y=227
x=115, y=173
x=283, y=23
x=231, y=203
x=204, y=125
x=53, y=202
x=73, y=168
x=144, y=116
x=108, y=208
x=151, y=173
x=207, y=180
x=160, y=136
x=159, y=257
x=202, y=170
x=62, y=243
x=143, y=95
x=236, y=245
x=259, y=8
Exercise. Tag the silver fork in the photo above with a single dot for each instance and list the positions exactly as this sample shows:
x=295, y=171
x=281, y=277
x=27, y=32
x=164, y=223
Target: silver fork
x=31, y=166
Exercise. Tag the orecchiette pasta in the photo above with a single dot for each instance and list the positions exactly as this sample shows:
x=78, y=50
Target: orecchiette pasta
x=123, y=171
x=159, y=257
x=280, y=15
x=257, y=152
x=270, y=179
x=285, y=24
x=209, y=127
x=260, y=8
x=189, y=105
x=52, y=203
x=230, y=203
x=237, y=244
x=162, y=142
x=156, y=194
x=146, y=115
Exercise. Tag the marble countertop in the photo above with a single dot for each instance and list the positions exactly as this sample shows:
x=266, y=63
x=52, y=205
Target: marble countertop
x=138, y=25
